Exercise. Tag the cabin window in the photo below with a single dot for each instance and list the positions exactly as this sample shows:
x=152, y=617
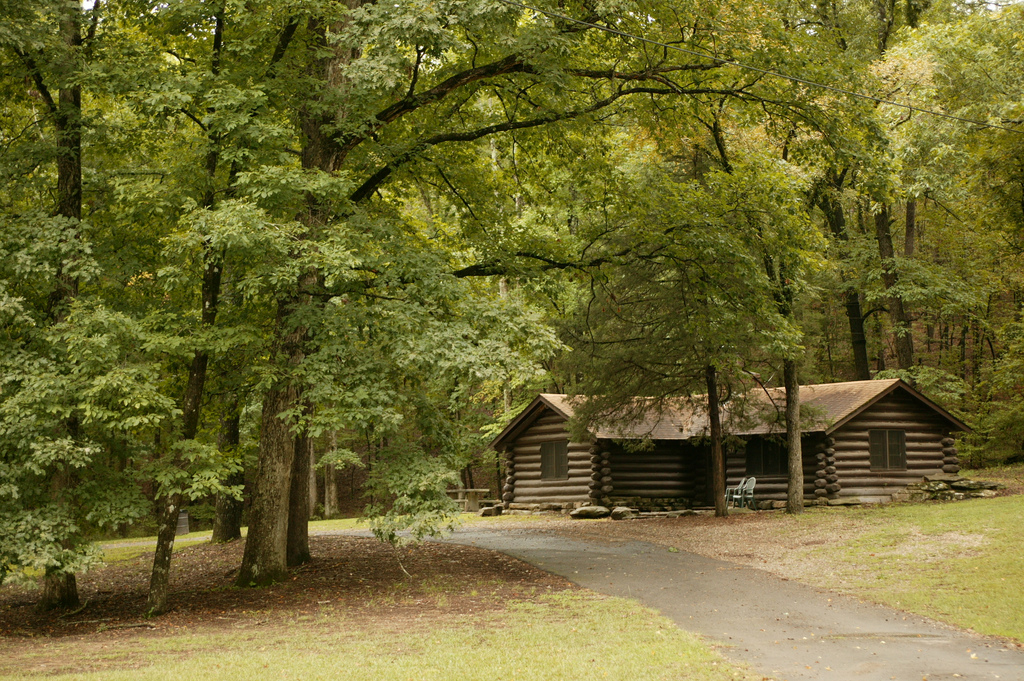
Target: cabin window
x=554, y=460
x=766, y=457
x=888, y=450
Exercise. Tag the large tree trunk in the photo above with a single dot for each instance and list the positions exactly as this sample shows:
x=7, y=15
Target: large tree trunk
x=717, y=458
x=795, y=488
x=298, y=503
x=60, y=589
x=903, y=336
x=266, y=545
x=227, y=519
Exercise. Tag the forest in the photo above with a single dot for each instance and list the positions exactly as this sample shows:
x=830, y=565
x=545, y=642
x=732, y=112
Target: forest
x=250, y=246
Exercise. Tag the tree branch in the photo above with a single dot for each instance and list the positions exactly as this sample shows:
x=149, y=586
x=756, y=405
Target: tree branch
x=37, y=78
x=370, y=185
x=282, y=44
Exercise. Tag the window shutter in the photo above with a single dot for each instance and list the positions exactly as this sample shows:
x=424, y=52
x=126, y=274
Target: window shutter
x=898, y=449
x=561, y=459
x=547, y=460
x=877, y=443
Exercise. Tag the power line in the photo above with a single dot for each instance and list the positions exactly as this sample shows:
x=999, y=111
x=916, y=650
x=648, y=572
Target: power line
x=749, y=67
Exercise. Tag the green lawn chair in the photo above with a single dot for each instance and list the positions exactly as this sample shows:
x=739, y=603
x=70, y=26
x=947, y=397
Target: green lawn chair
x=732, y=494
x=746, y=494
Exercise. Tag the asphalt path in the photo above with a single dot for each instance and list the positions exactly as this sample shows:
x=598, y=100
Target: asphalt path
x=781, y=628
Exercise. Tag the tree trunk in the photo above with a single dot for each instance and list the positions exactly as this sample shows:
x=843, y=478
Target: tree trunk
x=910, y=232
x=227, y=520
x=717, y=459
x=60, y=592
x=60, y=589
x=331, y=482
x=836, y=220
x=298, y=503
x=313, y=496
x=159, y=579
x=903, y=336
x=266, y=544
x=795, y=487
x=858, y=337
x=192, y=399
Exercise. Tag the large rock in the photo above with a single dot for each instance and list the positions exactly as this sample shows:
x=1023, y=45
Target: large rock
x=974, y=484
x=935, y=486
x=490, y=511
x=590, y=512
x=550, y=506
x=942, y=477
x=622, y=513
x=968, y=484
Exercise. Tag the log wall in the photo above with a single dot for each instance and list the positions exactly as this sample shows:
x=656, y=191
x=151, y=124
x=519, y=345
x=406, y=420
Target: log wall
x=670, y=470
x=524, y=484
x=925, y=432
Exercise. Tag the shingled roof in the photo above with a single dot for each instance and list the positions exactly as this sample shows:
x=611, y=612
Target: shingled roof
x=825, y=406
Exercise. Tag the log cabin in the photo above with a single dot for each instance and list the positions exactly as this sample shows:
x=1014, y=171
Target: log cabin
x=863, y=442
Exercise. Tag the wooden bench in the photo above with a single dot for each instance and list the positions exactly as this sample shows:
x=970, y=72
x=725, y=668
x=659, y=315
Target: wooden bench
x=468, y=499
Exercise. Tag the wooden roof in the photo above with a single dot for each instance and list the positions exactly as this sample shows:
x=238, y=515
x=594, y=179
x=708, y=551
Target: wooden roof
x=827, y=407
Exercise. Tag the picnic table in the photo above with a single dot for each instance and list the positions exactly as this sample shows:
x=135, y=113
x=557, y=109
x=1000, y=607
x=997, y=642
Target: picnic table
x=469, y=499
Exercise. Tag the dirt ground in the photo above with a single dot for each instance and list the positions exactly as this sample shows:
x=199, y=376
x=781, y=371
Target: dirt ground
x=367, y=579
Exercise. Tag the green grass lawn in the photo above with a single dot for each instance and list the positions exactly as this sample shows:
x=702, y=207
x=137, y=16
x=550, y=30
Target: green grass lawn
x=562, y=636
x=959, y=562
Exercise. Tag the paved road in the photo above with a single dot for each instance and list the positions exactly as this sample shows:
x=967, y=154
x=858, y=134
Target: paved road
x=782, y=628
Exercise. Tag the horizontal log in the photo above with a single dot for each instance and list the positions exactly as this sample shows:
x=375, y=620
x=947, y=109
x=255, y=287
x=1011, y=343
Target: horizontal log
x=912, y=435
x=582, y=477
x=536, y=439
x=545, y=428
x=653, y=492
x=878, y=482
x=782, y=487
x=650, y=463
x=653, y=475
x=551, y=489
x=541, y=499
x=911, y=456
